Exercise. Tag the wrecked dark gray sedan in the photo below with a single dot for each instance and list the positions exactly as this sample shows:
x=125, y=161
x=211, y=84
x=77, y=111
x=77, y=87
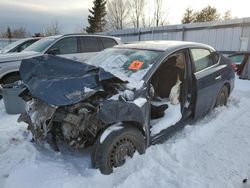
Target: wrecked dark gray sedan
x=125, y=99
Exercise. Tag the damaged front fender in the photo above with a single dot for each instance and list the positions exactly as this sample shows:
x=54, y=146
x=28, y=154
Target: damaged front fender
x=112, y=111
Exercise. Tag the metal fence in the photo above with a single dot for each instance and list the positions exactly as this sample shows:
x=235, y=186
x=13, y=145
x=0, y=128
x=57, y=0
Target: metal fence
x=226, y=36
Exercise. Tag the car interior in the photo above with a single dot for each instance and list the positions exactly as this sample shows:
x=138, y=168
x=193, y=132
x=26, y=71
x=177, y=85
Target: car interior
x=163, y=80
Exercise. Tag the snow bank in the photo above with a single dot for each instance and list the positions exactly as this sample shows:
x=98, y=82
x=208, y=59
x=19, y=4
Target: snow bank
x=212, y=153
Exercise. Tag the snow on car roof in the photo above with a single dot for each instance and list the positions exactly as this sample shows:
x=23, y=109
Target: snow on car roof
x=163, y=45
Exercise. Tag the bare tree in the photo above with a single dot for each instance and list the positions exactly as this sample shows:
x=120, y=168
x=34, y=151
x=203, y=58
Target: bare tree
x=189, y=16
x=143, y=19
x=159, y=14
x=227, y=15
x=53, y=29
x=148, y=15
x=79, y=29
x=117, y=13
x=19, y=33
x=137, y=9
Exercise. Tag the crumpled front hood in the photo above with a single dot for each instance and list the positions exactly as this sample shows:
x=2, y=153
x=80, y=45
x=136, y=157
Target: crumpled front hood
x=8, y=57
x=59, y=81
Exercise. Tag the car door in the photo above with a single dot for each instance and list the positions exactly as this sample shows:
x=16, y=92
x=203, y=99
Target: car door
x=238, y=59
x=66, y=47
x=89, y=47
x=207, y=78
x=105, y=42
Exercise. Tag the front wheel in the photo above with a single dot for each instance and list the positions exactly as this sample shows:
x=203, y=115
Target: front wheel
x=222, y=97
x=116, y=147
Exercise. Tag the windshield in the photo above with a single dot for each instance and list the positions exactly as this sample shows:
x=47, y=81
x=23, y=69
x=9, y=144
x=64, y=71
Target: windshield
x=127, y=64
x=12, y=45
x=40, y=45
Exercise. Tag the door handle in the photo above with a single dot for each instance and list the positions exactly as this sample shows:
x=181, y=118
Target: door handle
x=218, y=77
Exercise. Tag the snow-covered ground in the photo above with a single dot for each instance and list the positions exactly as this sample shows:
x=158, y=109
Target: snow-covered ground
x=215, y=152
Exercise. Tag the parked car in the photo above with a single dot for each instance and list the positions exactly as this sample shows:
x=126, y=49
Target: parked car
x=238, y=57
x=18, y=45
x=71, y=46
x=120, y=100
x=241, y=62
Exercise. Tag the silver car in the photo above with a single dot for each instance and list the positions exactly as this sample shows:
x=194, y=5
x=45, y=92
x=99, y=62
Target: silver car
x=73, y=46
x=19, y=45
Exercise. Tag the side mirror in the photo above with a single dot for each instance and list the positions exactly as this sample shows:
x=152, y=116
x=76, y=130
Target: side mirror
x=54, y=51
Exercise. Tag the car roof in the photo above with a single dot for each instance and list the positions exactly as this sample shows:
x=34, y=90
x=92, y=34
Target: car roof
x=54, y=37
x=82, y=34
x=90, y=35
x=25, y=39
x=163, y=45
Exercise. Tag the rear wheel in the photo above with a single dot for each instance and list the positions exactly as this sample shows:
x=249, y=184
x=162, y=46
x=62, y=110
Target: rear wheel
x=116, y=147
x=222, y=97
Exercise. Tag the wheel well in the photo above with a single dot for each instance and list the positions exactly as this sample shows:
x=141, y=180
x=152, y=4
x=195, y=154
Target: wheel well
x=136, y=125
x=125, y=124
x=8, y=75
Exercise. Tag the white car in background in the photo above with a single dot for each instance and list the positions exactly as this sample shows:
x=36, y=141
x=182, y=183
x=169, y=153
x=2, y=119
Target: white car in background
x=19, y=45
x=73, y=46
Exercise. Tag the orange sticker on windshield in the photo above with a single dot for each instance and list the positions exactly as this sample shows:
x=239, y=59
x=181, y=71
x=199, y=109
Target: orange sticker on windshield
x=135, y=65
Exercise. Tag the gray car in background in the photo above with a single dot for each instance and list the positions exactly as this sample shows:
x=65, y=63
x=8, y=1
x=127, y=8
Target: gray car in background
x=18, y=45
x=73, y=46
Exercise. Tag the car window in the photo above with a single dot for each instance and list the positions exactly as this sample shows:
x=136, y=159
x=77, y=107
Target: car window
x=40, y=45
x=107, y=42
x=202, y=58
x=24, y=45
x=237, y=58
x=65, y=46
x=12, y=45
x=89, y=44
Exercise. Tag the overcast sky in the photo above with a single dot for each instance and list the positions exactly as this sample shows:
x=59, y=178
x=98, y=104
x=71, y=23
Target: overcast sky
x=71, y=15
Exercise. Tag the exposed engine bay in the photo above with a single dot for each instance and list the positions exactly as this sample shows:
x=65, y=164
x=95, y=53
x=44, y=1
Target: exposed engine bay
x=78, y=112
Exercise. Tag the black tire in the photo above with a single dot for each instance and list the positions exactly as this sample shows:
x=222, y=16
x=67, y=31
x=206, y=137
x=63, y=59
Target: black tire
x=11, y=79
x=222, y=97
x=119, y=144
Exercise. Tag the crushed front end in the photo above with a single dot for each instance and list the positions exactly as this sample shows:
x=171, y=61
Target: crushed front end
x=75, y=102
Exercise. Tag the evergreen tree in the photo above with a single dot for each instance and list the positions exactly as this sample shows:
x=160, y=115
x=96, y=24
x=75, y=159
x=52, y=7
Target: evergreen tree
x=97, y=18
x=207, y=14
x=8, y=33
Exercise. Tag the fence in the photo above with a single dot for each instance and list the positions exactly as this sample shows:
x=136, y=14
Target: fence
x=226, y=36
